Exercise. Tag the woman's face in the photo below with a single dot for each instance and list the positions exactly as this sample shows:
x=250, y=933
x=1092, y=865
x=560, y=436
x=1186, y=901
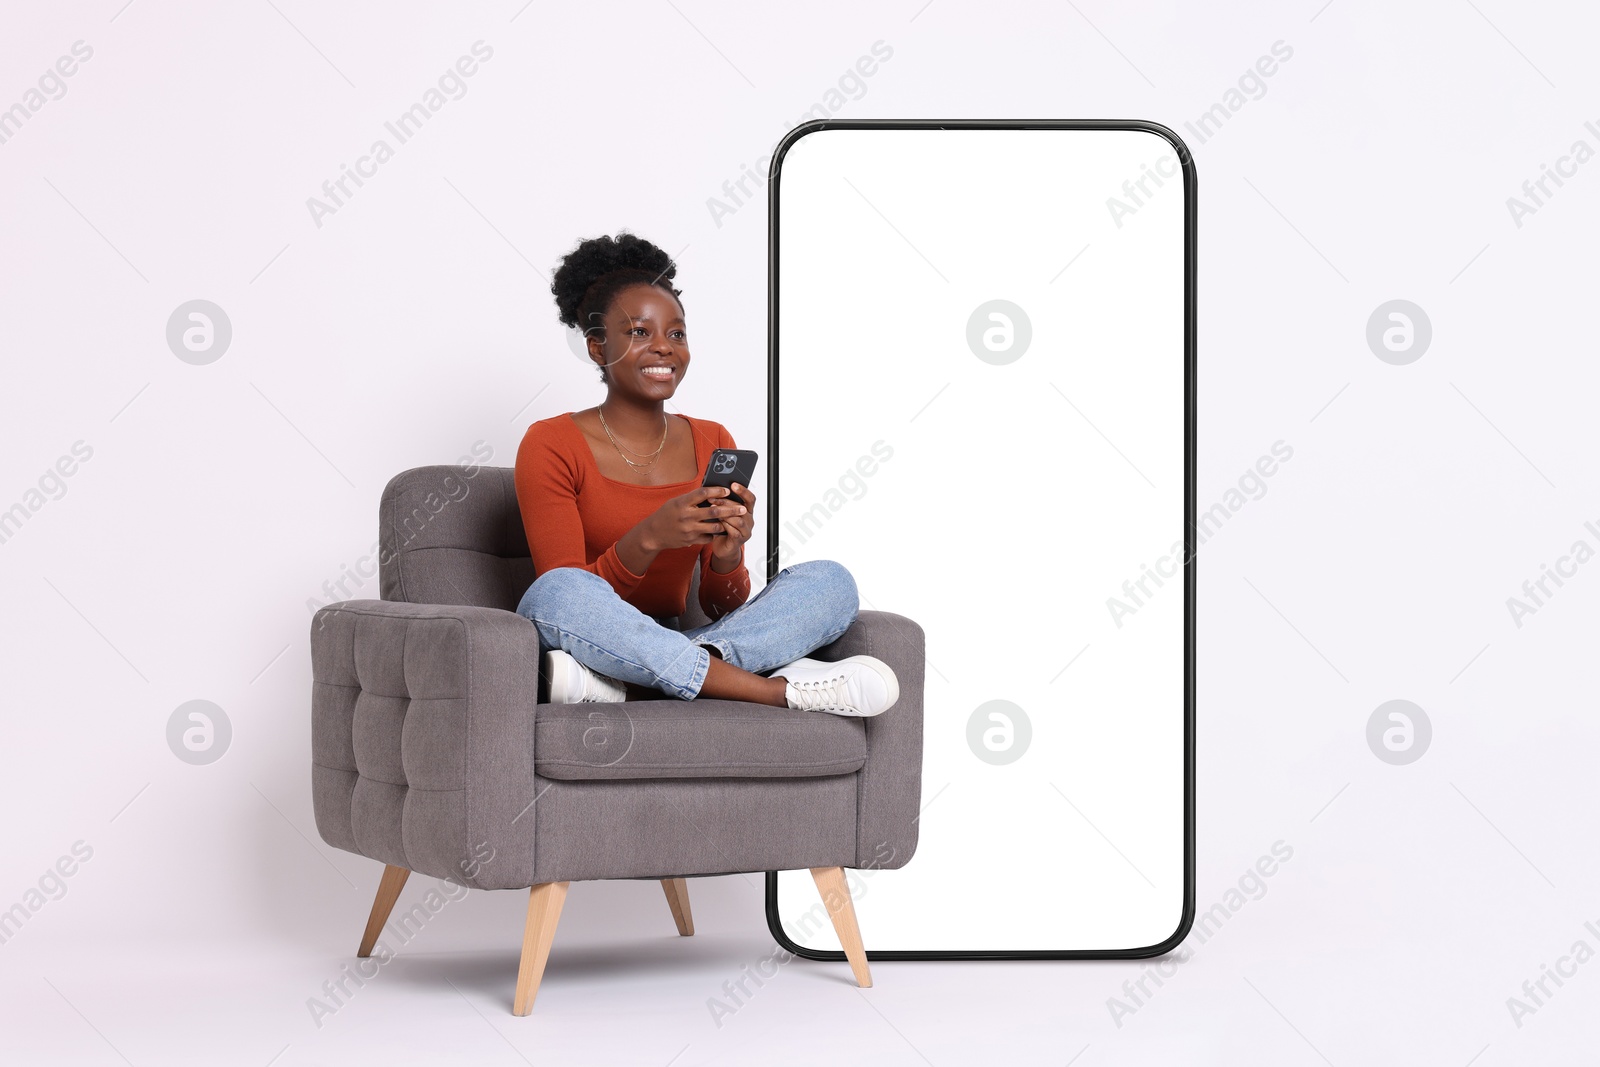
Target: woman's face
x=646, y=347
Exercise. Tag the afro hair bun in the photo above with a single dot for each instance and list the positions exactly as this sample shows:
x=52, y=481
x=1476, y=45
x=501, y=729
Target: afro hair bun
x=622, y=260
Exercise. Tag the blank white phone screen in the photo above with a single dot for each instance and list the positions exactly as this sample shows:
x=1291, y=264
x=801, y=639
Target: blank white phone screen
x=980, y=375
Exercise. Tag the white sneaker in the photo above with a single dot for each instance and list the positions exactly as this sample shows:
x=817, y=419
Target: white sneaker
x=855, y=685
x=573, y=683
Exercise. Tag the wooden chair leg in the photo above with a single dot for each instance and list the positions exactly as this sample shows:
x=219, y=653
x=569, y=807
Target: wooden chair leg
x=544, y=911
x=836, y=898
x=394, y=878
x=677, y=890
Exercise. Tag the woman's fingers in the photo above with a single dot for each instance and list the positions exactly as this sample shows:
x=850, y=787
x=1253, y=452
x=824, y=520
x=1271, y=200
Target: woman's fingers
x=705, y=492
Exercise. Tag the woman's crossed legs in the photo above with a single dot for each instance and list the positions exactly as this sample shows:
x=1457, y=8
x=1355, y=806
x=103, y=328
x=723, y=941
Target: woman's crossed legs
x=805, y=606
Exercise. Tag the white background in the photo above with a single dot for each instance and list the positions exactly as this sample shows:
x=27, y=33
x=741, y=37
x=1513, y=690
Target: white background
x=1014, y=501
x=415, y=321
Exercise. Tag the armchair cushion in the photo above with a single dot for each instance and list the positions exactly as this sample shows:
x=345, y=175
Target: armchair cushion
x=693, y=739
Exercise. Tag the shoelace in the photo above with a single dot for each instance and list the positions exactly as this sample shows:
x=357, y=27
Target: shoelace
x=815, y=693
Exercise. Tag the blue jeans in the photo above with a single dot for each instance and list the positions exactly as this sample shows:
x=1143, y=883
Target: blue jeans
x=807, y=605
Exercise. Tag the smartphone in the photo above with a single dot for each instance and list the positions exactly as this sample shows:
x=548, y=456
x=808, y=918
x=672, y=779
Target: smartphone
x=1115, y=733
x=729, y=465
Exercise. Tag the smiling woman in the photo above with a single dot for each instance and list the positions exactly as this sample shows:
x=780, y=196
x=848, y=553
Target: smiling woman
x=610, y=500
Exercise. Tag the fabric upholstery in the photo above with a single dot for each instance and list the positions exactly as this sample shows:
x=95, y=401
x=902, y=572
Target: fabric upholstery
x=451, y=539
x=422, y=736
x=688, y=739
x=675, y=827
x=890, y=789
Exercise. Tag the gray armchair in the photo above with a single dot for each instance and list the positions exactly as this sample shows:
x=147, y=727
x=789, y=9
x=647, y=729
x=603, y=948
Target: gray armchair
x=433, y=749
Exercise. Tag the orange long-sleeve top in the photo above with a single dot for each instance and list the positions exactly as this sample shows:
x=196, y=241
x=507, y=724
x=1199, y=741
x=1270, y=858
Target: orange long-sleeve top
x=574, y=516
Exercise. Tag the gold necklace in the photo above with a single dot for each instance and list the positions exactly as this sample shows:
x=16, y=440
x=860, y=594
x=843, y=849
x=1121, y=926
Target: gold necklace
x=618, y=447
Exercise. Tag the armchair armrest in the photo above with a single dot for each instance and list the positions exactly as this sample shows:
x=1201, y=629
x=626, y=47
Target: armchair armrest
x=422, y=737
x=890, y=788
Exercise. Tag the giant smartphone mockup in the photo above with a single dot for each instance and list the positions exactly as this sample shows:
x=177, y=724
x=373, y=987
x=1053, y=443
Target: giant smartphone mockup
x=983, y=404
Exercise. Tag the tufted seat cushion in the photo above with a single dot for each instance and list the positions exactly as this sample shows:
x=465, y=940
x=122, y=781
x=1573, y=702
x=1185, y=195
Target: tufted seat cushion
x=693, y=739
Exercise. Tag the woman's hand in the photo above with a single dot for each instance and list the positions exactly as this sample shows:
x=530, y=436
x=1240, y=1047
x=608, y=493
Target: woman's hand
x=681, y=522
x=729, y=548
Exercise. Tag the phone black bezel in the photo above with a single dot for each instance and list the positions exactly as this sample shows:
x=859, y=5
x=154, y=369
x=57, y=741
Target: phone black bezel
x=1186, y=163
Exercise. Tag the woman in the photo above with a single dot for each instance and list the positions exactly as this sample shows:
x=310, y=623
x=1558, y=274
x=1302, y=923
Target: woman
x=609, y=500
